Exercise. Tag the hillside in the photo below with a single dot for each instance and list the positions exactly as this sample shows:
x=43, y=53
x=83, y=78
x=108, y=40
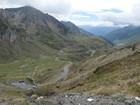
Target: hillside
x=115, y=72
x=35, y=47
x=43, y=60
x=124, y=36
x=29, y=32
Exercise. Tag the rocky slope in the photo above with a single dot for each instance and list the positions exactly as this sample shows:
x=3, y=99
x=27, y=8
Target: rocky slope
x=87, y=99
x=76, y=99
x=26, y=31
x=74, y=27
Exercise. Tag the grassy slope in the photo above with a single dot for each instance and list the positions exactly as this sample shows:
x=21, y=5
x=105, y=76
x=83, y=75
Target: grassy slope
x=35, y=34
x=120, y=75
x=40, y=52
x=126, y=42
x=23, y=68
x=124, y=36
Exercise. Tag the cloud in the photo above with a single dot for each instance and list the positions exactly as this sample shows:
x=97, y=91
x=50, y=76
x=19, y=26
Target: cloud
x=93, y=23
x=47, y=6
x=99, y=5
x=123, y=18
x=102, y=12
x=54, y=6
x=58, y=6
x=78, y=16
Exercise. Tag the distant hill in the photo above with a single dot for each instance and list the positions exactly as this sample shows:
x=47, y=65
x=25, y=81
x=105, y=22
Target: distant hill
x=100, y=31
x=124, y=36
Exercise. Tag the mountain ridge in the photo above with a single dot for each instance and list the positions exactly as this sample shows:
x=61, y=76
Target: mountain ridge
x=44, y=32
x=124, y=36
x=72, y=26
x=99, y=30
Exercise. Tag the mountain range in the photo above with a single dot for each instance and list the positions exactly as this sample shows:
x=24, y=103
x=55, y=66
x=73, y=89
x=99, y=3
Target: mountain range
x=41, y=58
x=27, y=32
x=116, y=35
x=124, y=36
x=99, y=30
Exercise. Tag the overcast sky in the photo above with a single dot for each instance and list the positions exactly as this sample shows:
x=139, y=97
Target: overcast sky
x=86, y=12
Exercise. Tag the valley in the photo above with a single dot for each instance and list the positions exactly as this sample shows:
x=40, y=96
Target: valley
x=44, y=61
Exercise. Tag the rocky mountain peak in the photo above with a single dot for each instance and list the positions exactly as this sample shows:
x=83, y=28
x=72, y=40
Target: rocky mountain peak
x=75, y=28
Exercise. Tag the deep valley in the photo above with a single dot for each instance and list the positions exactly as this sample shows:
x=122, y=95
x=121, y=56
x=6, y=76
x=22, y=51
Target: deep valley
x=44, y=61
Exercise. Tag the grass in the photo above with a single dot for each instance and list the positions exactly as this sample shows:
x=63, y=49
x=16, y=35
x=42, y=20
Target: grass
x=48, y=70
x=21, y=69
x=103, y=90
x=14, y=100
x=135, y=90
x=118, y=76
x=24, y=67
x=12, y=91
x=19, y=101
x=45, y=68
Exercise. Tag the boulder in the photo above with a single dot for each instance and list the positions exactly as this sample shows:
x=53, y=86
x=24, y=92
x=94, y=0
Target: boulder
x=34, y=96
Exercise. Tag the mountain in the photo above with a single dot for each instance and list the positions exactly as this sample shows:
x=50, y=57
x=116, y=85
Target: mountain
x=124, y=36
x=100, y=31
x=27, y=32
x=35, y=47
x=40, y=56
x=72, y=26
x=75, y=28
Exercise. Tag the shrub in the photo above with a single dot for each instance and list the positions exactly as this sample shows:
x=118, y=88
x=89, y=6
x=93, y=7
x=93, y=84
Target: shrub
x=42, y=91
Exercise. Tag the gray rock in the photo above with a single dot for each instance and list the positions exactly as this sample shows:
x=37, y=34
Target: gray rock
x=34, y=96
x=81, y=99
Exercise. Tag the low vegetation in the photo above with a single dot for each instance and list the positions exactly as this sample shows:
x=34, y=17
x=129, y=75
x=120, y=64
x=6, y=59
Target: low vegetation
x=42, y=91
x=23, y=69
x=118, y=76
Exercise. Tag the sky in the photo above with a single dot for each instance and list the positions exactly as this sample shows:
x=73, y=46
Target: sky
x=107, y=13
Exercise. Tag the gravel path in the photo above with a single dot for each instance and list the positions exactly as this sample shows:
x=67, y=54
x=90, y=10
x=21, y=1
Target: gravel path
x=92, y=52
x=65, y=70
x=62, y=75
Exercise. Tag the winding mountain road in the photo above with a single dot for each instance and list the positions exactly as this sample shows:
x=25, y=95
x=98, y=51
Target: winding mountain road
x=62, y=75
